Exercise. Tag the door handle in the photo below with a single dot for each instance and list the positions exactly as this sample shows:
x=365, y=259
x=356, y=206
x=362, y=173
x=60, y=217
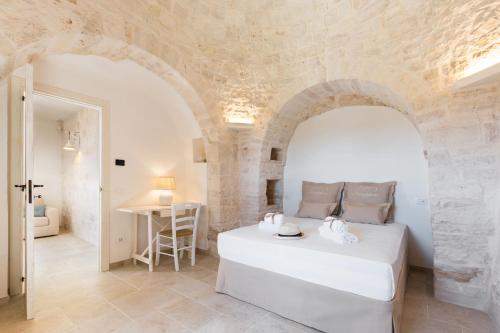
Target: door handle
x=30, y=191
x=35, y=186
x=22, y=187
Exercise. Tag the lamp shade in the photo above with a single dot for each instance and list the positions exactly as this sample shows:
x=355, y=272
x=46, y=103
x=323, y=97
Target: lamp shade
x=69, y=146
x=165, y=183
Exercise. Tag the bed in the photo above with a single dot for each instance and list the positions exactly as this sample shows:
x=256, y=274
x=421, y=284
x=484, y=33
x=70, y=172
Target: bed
x=314, y=281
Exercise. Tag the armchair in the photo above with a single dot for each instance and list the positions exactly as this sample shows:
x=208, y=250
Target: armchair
x=47, y=225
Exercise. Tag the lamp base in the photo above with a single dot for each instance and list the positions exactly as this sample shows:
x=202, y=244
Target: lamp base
x=166, y=199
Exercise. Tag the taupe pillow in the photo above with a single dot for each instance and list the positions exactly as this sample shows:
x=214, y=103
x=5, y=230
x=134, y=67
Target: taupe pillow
x=315, y=210
x=371, y=193
x=365, y=213
x=322, y=193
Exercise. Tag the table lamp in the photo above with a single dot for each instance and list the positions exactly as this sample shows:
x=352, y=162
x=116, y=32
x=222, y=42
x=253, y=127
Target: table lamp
x=165, y=185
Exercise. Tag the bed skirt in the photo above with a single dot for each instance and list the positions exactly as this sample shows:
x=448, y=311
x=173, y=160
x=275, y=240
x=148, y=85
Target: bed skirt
x=319, y=307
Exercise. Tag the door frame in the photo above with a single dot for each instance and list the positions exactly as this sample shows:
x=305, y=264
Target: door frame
x=103, y=107
x=4, y=191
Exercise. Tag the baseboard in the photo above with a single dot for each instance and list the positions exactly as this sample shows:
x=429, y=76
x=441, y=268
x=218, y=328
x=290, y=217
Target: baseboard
x=422, y=269
x=120, y=263
x=4, y=300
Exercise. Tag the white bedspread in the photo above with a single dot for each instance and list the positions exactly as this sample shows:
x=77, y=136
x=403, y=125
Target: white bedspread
x=369, y=268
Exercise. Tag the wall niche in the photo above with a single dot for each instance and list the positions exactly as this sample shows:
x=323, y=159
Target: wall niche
x=276, y=154
x=273, y=192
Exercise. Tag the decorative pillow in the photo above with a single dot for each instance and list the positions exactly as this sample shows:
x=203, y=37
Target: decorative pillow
x=371, y=193
x=40, y=210
x=322, y=193
x=316, y=210
x=365, y=213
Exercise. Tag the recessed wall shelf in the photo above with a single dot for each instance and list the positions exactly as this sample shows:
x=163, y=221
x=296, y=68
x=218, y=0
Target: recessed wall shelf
x=276, y=154
x=273, y=192
x=199, y=153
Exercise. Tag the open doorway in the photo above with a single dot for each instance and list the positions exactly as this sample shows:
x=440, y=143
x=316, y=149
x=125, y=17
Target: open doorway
x=67, y=167
x=151, y=134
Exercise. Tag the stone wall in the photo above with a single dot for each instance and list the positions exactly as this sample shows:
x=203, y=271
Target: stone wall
x=463, y=154
x=495, y=285
x=254, y=57
x=80, y=173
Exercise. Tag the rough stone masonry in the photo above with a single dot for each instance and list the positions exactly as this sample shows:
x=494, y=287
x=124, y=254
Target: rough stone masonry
x=287, y=60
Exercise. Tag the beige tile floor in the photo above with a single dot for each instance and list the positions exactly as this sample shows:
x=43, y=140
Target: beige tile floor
x=71, y=296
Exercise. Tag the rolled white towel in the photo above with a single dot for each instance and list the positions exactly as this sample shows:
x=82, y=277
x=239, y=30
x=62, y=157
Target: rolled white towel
x=341, y=238
x=268, y=218
x=350, y=238
x=278, y=219
x=273, y=218
x=339, y=226
x=329, y=218
x=271, y=227
x=336, y=225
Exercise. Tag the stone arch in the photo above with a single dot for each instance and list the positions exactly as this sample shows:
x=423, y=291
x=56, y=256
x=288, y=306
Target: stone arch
x=310, y=102
x=115, y=50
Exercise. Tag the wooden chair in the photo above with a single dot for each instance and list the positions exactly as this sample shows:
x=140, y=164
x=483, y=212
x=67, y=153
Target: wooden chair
x=184, y=225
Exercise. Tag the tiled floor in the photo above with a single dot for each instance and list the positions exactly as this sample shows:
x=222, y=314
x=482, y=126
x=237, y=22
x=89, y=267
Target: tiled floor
x=72, y=296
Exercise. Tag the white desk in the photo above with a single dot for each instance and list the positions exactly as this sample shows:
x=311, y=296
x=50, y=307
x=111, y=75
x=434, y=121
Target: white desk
x=163, y=211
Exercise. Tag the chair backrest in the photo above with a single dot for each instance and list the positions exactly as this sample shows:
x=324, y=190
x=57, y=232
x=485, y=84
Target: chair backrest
x=185, y=216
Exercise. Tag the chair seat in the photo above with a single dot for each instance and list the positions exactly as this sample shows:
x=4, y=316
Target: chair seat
x=180, y=233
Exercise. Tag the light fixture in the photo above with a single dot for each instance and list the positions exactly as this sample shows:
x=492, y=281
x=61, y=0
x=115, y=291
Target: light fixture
x=485, y=69
x=240, y=113
x=70, y=144
x=491, y=59
x=239, y=121
x=165, y=185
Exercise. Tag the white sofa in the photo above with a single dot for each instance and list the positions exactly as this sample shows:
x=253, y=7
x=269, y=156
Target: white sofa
x=47, y=225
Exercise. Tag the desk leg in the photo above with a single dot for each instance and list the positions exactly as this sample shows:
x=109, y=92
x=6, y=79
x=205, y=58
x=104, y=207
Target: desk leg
x=134, y=236
x=150, y=241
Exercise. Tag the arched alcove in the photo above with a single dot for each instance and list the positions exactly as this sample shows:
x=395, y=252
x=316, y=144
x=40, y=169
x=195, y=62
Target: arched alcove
x=364, y=143
x=313, y=101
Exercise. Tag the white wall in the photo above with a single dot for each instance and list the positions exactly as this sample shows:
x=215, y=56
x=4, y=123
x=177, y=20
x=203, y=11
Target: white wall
x=47, y=150
x=151, y=128
x=80, y=174
x=365, y=144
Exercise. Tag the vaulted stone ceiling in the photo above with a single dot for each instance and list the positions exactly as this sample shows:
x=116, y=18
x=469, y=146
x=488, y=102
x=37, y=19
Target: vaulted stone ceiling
x=254, y=58
x=261, y=52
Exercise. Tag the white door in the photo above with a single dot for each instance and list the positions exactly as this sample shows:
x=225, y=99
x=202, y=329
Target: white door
x=28, y=202
x=21, y=211
x=26, y=73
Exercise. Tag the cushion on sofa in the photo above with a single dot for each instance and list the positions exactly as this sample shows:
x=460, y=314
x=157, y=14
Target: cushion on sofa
x=40, y=221
x=40, y=210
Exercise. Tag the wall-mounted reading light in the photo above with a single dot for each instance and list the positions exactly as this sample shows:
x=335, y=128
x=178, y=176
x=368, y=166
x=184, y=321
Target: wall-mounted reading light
x=480, y=71
x=239, y=121
x=240, y=113
x=73, y=142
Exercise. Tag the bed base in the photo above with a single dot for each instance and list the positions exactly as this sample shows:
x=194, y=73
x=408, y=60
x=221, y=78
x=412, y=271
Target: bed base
x=319, y=307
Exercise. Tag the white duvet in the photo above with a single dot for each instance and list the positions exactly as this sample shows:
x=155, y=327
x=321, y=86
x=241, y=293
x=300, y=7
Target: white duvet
x=368, y=268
